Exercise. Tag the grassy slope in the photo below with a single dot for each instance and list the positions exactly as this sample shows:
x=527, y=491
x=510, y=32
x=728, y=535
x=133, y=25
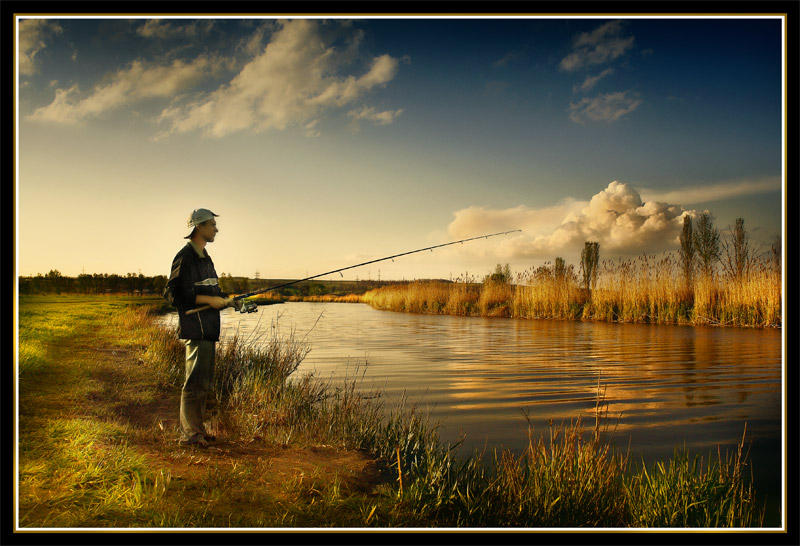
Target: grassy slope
x=97, y=443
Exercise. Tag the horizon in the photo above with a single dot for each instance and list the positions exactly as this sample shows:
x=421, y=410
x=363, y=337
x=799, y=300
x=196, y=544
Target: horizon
x=323, y=142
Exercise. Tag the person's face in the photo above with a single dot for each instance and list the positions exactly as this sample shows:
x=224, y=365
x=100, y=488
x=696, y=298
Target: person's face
x=208, y=230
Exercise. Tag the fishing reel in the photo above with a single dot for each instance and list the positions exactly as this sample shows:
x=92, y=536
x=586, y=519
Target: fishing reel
x=248, y=307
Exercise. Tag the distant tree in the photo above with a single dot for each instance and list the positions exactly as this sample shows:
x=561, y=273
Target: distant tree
x=317, y=289
x=113, y=283
x=85, y=283
x=739, y=256
x=501, y=275
x=775, y=254
x=706, y=243
x=99, y=283
x=159, y=284
x=560, y=269
x=686, y=250
x=54, y=280
x=590, y=257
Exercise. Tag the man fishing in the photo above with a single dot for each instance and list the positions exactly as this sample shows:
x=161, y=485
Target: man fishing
x=193, y=288
x=193, y=282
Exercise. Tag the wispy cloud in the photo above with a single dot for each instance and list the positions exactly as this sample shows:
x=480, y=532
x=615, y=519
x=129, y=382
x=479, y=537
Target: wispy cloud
x=695, y=195
x=141, y=80
x=591, y=81
x=160, y=29
x=599, y=46
x=508, y=58
x=607, y=107
x=294, y=80
x=33, y=36
x=590, y=49
x=369, y=113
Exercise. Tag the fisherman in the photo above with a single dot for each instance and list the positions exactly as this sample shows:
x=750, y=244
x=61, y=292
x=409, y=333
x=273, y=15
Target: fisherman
x=193, y=282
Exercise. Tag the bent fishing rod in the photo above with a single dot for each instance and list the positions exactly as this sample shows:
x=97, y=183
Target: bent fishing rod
x=431, y=248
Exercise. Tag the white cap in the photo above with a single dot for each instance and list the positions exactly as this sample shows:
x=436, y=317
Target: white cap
x=197, y=217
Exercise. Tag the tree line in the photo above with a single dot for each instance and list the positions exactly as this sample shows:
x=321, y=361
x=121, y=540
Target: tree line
x=103, y=283
x=98, y=283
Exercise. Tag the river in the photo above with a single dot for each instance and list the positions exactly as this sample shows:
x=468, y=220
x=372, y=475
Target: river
x=665, y=385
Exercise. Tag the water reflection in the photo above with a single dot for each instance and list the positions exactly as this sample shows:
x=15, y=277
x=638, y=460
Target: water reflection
x=665, y=386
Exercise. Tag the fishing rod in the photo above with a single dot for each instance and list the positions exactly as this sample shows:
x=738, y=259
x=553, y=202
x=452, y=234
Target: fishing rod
x=261, y=291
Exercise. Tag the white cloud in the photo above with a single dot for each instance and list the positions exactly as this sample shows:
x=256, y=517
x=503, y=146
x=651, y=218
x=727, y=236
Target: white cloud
x=607, y=107
x=139, y=81
x=33, y=34
x=291, y=82
x=599, y=46
x=616, y=217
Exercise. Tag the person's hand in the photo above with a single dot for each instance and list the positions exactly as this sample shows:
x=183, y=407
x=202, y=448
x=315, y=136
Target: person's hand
x=217, y=302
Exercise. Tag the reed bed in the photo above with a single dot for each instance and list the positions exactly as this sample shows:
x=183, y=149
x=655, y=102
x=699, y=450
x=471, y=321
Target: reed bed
x=429, y=297
x=328, y=298
x=648, y=289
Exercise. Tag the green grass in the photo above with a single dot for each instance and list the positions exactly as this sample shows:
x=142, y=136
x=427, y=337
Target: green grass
x=82, y=464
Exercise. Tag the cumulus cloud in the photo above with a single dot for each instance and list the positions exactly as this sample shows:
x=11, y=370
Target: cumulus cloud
x=616, y=217
x=606, y=107
x=289, y=80
x=602, y=45
x=292, y=81
x=141, y=80
x=33, y=36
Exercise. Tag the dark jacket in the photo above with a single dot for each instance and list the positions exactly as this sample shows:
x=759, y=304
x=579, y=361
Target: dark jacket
x=193, y=276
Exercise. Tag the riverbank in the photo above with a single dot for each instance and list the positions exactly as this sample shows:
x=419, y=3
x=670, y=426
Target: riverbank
x=99, y=387
x=641, y=291
x=98, y=437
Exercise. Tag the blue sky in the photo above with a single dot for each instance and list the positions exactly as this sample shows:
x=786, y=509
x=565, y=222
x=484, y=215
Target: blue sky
x=327, y=142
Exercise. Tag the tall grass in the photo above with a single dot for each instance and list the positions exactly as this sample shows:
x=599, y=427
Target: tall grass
x=647, y=289
x=683, y=494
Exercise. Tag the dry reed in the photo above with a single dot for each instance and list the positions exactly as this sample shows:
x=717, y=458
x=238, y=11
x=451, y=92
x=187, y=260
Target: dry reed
x=648, y=289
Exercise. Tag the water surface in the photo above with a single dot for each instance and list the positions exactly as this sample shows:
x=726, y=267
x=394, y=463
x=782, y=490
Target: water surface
x=665, y=385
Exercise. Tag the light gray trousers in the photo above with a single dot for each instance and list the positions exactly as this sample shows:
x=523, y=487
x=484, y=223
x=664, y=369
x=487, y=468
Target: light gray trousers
x=199, y=379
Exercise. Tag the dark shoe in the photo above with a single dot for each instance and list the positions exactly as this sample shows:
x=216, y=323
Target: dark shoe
x=198, y=443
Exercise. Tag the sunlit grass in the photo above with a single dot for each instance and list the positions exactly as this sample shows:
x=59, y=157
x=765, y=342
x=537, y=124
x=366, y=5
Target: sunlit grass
x=648, y=289
x=84, y=473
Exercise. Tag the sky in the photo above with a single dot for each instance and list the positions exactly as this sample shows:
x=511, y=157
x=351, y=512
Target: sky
x=326, y=142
